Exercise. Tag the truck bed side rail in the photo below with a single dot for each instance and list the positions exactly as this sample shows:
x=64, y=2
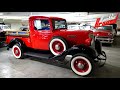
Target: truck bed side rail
x=17, y=33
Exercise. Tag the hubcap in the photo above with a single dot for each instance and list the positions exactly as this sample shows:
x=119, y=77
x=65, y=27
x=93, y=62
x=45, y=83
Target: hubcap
x=57, y=47
x=81, y=65
x=16, y=51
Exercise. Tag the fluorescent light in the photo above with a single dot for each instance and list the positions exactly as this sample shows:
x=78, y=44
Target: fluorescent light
x=1, y=13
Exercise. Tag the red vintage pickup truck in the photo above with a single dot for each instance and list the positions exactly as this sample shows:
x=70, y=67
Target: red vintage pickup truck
x=51, y=34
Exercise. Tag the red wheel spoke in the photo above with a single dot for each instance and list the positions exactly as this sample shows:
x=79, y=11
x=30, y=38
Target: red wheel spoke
x=83, y=64
x=16, y=51
x=60, y=45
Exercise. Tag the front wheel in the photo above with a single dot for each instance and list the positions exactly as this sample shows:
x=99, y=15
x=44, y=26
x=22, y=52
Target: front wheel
x=58, y=45
x=82, y=64
x=17, y=51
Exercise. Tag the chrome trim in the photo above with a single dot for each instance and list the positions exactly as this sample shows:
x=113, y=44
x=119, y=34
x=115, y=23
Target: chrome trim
x=105, y=40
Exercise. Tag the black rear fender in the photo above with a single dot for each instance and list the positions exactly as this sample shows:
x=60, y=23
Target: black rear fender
x=16, y=41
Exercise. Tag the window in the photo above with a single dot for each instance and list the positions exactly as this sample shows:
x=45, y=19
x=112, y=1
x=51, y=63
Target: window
x=6, y=27
x=105, y=28
x=59, y=24
x=42, y=25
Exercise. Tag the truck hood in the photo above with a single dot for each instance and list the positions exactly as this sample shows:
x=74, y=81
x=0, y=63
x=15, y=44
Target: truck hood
x=102, y=33
x=76, y=32
x=74, y=36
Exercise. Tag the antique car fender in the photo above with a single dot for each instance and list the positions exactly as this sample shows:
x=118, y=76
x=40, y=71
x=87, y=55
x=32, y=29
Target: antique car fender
x=15, y=41
x=83, y=49
x=75, y=50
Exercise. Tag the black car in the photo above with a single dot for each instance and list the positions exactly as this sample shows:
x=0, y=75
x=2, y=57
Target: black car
x=24, y=28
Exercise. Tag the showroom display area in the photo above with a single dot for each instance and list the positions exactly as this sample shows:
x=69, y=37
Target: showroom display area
x=84, y=48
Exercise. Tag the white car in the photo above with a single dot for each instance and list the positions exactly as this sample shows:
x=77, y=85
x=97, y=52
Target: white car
x=4, y=28
x=81, y=27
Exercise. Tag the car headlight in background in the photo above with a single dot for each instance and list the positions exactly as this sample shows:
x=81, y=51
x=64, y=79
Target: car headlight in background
x=110, y=35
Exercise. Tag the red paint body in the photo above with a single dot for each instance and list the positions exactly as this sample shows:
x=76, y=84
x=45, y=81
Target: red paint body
x=41, y=39
x=102, y=33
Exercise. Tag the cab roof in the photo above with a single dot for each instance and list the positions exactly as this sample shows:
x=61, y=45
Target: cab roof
x=38, y=17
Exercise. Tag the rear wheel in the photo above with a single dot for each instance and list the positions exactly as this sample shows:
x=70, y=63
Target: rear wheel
x=17, y=51
x=58, y=45
x=82, y=65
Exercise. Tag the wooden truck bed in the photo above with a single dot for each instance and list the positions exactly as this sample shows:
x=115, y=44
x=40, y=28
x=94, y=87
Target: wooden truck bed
x=17, y=33
x=22, y=35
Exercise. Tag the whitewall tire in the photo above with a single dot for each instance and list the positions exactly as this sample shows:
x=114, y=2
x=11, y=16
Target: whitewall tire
x=57, y=46
x=81, y=65
x=17, y=52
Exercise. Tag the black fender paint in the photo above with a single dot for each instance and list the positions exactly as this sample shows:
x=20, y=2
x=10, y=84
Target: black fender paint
x=14, y=41
x=75, y=50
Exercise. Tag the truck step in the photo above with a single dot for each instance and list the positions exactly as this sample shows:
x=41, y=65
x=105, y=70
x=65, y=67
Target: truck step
x=39, y=55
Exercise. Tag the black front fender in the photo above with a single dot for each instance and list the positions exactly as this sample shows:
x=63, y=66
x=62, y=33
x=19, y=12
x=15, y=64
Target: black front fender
x=83, y=49
x=75, y=50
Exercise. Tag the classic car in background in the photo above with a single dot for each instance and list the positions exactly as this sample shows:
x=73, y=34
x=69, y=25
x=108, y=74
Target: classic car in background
x=24, y=28
x=105, y=34
x=3, y=29
x=74, y=27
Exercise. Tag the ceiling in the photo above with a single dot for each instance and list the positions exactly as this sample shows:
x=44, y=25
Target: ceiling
x=69, y=16
x=43, y=13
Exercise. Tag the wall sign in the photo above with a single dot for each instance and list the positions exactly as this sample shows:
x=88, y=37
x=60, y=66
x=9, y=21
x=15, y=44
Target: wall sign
x=107, y=20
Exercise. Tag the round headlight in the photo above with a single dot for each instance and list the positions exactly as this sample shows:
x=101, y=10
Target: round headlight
x=110, y=34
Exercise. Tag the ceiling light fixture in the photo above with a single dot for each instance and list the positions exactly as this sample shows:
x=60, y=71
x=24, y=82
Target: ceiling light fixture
x=1, y=13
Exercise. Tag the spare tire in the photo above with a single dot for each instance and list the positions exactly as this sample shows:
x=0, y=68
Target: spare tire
x=58, y=45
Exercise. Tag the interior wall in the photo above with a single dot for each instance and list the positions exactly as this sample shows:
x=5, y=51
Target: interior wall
x=118, y=24
x=16, y=26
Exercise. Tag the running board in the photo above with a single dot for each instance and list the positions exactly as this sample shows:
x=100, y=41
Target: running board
x=39, y=55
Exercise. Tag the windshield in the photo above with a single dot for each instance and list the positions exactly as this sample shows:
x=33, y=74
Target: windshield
x=59, y=24
x=105, y=28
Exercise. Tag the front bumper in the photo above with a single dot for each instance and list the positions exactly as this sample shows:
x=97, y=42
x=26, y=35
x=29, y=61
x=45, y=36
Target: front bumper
x=105, y=40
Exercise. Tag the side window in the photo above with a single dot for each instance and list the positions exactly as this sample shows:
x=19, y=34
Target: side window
x=41, y=25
